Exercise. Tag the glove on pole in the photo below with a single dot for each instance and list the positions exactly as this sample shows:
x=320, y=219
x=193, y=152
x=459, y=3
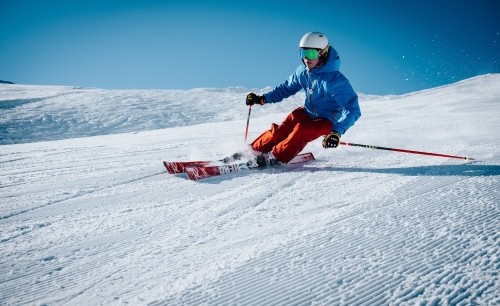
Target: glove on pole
x=405, y=151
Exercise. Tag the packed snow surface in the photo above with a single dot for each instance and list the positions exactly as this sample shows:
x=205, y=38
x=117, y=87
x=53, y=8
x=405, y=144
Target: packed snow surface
x=89, y=216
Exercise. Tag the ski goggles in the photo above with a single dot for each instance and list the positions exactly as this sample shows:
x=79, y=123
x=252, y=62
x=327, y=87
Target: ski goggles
x=311, y=54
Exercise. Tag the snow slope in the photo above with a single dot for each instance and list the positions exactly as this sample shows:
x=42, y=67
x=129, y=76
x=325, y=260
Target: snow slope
x=88, y=215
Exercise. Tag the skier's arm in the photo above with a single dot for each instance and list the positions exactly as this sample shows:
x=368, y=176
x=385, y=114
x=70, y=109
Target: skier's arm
x=346, y=99
x=346, y=117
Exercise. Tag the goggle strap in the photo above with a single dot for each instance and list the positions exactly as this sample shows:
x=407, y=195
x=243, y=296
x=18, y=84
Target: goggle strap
x=325, y=50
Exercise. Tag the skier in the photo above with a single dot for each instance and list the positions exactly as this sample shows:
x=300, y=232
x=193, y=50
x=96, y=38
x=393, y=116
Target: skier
x=331, y=105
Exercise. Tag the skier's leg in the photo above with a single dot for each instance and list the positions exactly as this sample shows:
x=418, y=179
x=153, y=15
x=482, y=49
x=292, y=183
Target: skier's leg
x=267, y=140
x=302, y=134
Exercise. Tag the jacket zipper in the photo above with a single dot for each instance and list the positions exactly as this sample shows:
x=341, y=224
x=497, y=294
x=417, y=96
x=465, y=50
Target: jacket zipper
x=311, y=88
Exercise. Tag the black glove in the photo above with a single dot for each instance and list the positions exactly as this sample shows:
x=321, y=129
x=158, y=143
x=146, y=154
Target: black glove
x=331, y=140
x=254, y=99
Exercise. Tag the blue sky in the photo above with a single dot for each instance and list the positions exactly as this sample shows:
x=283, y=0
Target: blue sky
x=386, y=47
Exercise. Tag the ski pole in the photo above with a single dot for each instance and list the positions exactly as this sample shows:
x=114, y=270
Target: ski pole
x=404, y=151
x=248, y=122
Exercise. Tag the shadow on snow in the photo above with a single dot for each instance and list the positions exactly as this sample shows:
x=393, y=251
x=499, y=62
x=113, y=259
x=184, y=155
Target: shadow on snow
x=437, y=170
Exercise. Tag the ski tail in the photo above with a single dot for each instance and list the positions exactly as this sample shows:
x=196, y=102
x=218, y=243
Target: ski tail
x=201, y=172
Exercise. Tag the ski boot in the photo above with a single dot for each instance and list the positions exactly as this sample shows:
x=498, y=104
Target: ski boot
x=264, y=160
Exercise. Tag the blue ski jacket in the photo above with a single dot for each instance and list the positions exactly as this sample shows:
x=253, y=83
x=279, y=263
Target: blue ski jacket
x=329, y=94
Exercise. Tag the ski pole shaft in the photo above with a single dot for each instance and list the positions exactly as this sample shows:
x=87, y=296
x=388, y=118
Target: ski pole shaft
x=404, y=151
x=248, y=122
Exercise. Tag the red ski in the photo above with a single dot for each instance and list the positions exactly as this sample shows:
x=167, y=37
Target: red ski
x=201, y=172
x=176, y=167
x=180, y=166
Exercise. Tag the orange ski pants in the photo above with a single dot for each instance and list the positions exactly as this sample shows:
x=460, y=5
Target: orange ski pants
x=292, y=135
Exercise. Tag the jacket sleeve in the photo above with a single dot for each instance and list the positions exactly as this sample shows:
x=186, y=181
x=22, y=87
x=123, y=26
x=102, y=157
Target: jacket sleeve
x=286, y=89
x=350, y=111
x=346, y=117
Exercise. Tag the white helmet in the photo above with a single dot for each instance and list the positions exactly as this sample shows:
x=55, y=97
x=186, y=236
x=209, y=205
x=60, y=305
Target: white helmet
x=314, y=40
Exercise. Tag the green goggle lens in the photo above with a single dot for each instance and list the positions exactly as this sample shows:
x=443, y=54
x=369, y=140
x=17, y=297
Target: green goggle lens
x=311, y=54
